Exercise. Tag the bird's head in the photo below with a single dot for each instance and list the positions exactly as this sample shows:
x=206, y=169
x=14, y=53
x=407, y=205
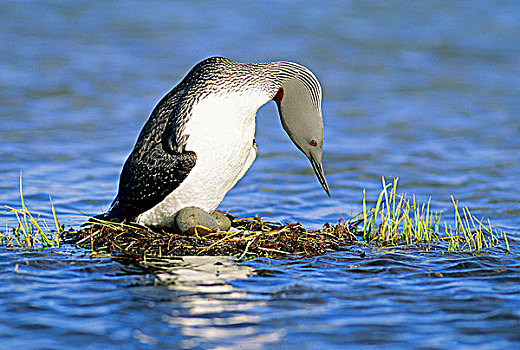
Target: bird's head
x=299, y=105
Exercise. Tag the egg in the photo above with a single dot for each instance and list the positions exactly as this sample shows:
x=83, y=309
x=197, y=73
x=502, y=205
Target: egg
x=224, y=224
x=187, y=219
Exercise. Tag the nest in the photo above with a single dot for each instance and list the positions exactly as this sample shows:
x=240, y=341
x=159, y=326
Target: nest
x=249, y=238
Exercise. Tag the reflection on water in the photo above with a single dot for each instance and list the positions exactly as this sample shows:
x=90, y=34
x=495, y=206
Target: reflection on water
x=198, y=269
x=215, y=312
x=426, y=91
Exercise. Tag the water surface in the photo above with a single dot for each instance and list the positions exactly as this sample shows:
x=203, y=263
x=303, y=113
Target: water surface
x=428, y=92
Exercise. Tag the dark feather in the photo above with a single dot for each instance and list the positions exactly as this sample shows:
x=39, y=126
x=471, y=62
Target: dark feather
x=146, y=181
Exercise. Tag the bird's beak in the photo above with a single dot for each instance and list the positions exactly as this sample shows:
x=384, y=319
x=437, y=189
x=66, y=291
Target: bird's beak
x=318, y=170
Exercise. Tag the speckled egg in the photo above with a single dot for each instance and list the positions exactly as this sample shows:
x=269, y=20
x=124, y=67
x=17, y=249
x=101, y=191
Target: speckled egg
x=224, y=224
x=188, y=218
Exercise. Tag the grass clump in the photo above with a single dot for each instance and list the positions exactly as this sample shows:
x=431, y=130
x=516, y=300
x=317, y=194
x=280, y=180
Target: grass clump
x=30, y=232
x=396, y=220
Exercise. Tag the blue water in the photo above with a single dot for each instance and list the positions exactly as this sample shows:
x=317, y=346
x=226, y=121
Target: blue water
x=427, y=91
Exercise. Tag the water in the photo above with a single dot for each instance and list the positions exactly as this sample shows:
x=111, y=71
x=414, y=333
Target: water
x=428, y=92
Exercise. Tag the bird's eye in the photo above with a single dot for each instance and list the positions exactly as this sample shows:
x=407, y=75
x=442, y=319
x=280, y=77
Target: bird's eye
x=313, y=143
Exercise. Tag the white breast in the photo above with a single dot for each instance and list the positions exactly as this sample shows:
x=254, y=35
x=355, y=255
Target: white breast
x=221, y=132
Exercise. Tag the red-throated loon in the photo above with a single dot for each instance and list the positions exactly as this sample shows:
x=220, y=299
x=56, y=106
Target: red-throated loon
x=199, y=139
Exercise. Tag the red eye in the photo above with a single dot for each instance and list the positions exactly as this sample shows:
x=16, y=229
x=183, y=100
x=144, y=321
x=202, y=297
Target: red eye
x=313, y=143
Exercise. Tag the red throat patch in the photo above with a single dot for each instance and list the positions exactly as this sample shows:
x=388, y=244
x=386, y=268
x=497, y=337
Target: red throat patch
x=278, y=97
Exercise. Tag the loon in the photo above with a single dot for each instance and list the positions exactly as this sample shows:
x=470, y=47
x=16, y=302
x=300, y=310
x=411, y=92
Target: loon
x=200, y=138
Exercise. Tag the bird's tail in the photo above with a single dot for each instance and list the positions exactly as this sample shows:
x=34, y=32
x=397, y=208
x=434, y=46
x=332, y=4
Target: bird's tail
x=102, y=218
x=112, y=215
